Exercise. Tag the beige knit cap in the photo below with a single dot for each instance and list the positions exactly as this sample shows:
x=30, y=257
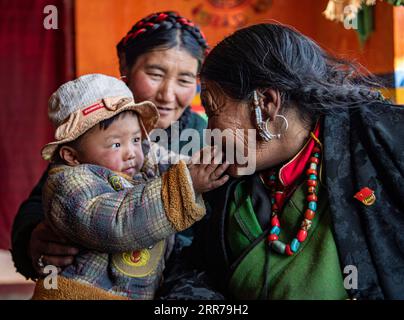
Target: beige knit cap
x=79, y=105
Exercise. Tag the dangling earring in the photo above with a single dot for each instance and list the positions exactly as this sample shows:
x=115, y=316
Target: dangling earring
x=263, y=126
x=263, y=131
x=278, y=135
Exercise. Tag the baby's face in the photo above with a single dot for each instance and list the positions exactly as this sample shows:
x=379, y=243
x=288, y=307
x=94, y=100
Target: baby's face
x=118, y=148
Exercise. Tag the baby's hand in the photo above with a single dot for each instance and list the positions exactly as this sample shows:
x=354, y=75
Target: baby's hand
x=206, y=170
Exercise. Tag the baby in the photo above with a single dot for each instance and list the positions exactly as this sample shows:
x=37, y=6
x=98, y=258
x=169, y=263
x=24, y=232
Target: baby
x=107, y=196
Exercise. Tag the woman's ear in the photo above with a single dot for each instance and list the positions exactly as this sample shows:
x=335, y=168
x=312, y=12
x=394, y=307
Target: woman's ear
x=272, y=102
x=123, y=68
x=69, y=155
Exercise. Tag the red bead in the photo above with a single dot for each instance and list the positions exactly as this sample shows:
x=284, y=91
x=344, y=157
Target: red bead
x=316, y=149
x=279, y=198
x=274, y=207
x=161, y=17
x=311, y=171
x=311, y=197
x=273, y=237
x=182, y=20
x=202, y=34
x=288, y=251
x=301, y=235
x=311, y=183
x=309, y=214
x=314, y=160
x=311, y=189
x=275, y=221
x=137, y=32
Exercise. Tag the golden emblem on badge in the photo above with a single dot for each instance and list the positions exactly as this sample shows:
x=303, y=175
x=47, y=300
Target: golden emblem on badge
x=115, y=182
x=366, y=196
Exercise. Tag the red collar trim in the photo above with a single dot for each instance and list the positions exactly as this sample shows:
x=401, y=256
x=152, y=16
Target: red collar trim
x=294, y=168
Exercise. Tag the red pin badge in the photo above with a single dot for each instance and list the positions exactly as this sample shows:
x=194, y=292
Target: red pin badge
x=366, y=196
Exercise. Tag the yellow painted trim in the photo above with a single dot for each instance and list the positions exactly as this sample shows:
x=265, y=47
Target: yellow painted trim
x=400, y=95
x=395, y=94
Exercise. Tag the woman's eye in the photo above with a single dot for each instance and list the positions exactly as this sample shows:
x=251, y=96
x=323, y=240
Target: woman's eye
x=156, y=75
x=136, y=140
x=185, y=81
x=116, y=145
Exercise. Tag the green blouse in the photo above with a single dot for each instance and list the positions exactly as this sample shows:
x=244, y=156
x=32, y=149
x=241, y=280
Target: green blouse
x=314, y=272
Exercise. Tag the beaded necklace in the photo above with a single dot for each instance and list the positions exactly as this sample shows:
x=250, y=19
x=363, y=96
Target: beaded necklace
x=312, y=189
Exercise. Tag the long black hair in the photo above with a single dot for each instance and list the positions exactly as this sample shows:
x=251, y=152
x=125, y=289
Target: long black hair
x=278, y=57
x=161, y=30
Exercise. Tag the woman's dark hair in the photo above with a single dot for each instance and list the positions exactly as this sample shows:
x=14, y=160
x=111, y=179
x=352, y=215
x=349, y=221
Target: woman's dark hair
x=162, y=30
x=278, y=57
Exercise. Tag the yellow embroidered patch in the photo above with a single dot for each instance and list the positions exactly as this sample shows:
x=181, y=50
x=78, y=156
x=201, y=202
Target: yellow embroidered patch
x=139, y=263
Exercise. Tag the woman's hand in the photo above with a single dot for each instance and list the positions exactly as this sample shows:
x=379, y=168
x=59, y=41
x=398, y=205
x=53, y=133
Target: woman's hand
x=49, y=248
x=206, y=170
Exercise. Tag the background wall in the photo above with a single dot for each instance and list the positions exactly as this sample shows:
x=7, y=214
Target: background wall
x=399, y=53
x=100, y=24
x=33, y=63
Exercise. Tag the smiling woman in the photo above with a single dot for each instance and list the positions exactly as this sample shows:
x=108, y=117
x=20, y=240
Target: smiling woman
x=166, y=77
x=160, y=58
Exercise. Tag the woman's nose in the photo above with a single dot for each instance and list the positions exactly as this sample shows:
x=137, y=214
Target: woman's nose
x=166, y=92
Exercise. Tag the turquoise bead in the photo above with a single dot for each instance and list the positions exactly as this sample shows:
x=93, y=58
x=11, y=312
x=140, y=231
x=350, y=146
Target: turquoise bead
x=279, y=246
x=275, y=230
x=313, y=177
x=313, y=166
x=317, y=155
x=294, y=245
x=272, y=178
x=272, y=201
x=312, y=205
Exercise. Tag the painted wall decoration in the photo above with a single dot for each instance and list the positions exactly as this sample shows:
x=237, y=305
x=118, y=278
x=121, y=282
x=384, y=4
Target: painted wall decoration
x=228, y=13
x=100, y=25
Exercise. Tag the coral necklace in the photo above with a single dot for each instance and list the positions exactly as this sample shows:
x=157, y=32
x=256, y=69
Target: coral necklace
x=312, y=188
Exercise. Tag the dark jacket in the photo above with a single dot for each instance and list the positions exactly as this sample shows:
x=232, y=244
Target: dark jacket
x=30, y=213
x=363, y=147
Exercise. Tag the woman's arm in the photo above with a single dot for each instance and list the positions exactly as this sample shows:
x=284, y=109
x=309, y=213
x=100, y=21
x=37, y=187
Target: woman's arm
x=29, y=215
x=32, y=238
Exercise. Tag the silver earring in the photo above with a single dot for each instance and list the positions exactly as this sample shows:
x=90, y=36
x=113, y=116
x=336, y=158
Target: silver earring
x=278, y=135
x=263, y=131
